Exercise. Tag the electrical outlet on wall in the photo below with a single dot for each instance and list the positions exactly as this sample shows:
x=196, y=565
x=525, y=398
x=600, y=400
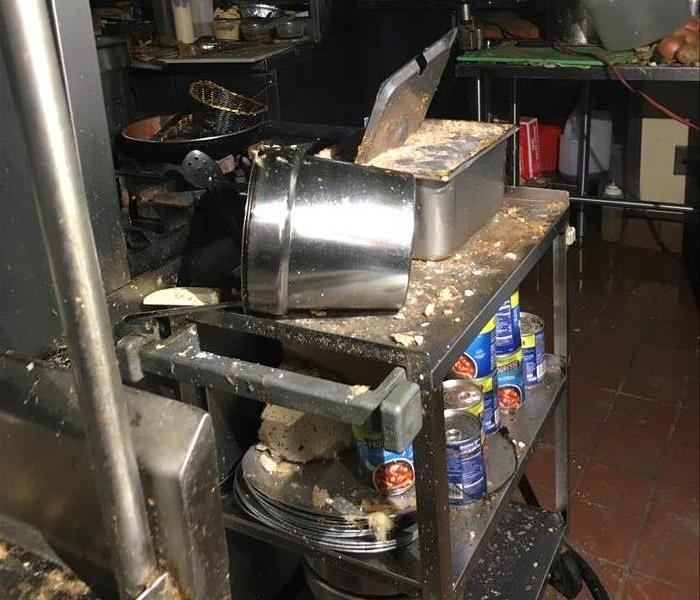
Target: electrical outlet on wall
x=680, y=161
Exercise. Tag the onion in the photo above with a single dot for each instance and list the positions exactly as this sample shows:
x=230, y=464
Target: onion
x=668, y=47
x=688, y=54
x=691, y=37
x=693, y=25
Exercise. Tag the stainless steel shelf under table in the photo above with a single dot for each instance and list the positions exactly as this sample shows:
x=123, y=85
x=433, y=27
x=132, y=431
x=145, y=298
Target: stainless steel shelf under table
x=483, y=274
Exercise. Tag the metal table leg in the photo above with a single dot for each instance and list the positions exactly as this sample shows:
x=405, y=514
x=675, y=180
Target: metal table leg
x=479, y=112
x=486, y=93
x=584, y=153
x=515, y=153
x=431, y=496
x=561, y=419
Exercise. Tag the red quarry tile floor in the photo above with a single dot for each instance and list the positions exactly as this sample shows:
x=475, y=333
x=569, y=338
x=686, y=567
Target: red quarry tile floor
x=634, y=425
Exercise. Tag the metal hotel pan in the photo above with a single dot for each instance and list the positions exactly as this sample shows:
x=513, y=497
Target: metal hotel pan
x=449, y=211
x=323, y=234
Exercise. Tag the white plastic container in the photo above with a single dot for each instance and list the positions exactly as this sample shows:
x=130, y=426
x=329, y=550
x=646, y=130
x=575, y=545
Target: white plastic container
x=599, y=149
x=627, y=24
x=182, y=15
x=202, y=17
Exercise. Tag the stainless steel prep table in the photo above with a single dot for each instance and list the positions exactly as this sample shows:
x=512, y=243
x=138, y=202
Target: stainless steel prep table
x=448, y=556
x=484, y=72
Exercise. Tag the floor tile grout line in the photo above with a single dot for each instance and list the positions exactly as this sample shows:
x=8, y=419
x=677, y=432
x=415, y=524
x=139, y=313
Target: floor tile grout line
x=611, y=563
x=650, y=501
x=647, y=399
x=665, y=582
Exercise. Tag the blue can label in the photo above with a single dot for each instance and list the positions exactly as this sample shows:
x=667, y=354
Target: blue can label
x=466, y=473
x=532, y=332
x=508, y=325
x=392, y=473
x=479, y=359
x=491, y=419
x=509, y=379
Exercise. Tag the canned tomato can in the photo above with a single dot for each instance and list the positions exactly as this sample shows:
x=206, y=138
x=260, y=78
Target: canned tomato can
x=491, y=420
x=466, y=471
x=509, y=379
x=479, y=359
x=508, y=325
x=391, y=473
x=532, y=333
x=463, y=395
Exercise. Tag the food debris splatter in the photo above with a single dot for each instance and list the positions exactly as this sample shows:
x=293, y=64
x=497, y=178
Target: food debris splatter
x=405, y=339
x=356, y=390
x=448, y=293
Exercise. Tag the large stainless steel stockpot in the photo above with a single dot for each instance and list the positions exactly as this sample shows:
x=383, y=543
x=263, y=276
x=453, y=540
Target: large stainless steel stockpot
x=323, y=234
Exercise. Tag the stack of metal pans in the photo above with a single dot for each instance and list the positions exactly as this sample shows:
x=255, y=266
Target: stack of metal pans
x=325, y=502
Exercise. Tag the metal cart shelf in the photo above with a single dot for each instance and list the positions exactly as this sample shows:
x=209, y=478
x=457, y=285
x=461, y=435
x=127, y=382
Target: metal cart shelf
x=464, y=291
x=471, y=527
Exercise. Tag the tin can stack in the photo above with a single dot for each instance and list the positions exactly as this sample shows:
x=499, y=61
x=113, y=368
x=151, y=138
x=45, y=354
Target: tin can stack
x=488, y=380
x=509, y=355
x=478, y=364
x=532, y=334
x=466, y=471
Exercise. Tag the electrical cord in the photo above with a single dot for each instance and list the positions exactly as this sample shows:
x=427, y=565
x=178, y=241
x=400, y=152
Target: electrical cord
x=557, y=45
x=664, y=109
x=589, y=576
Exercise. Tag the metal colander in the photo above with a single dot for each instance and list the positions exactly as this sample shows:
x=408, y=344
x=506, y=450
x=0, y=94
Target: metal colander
x=222, y=110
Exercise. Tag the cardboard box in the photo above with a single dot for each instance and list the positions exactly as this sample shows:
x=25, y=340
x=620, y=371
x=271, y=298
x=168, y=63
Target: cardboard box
x=549, y=136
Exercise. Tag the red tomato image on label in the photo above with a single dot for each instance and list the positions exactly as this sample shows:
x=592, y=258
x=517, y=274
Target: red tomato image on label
x=509, y=396
x=394, y=477
x=464, y=367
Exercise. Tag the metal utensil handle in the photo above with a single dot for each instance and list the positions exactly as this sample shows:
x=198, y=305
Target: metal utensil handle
x=394, y=406
x=182, y=311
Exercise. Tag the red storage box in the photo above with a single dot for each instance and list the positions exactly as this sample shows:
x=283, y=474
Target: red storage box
x=529, y=148
x=549, y=146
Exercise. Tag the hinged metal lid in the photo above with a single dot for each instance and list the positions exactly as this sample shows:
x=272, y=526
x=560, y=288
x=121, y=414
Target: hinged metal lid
x=403, y=100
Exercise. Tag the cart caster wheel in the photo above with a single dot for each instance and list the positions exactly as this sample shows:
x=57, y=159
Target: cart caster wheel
x=565, y=575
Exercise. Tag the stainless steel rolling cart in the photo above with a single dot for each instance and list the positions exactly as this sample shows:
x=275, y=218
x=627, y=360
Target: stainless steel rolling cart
x=493, y=546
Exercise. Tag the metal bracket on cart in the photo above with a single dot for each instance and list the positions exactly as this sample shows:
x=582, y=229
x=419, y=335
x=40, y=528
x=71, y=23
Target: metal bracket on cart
x=394, y=406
